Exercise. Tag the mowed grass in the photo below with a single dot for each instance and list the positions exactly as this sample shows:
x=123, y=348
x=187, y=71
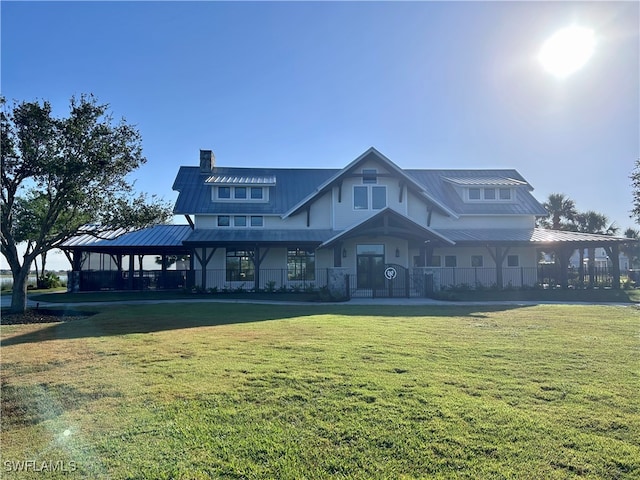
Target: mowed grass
x=330, y=391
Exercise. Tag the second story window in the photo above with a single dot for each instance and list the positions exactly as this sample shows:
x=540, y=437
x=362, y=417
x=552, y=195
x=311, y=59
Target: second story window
x=256, y=193
x=369, y=197
x=257, y=221
x=224, y=192
x=240, y=192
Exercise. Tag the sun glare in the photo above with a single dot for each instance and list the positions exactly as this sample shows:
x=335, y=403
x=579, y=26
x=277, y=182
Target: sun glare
x=567, y=50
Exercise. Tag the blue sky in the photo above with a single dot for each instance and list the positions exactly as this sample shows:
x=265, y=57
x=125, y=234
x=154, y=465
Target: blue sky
x=305, y=84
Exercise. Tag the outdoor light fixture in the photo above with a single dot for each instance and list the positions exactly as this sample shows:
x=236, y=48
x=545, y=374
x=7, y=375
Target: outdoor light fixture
x=344, y=253
x=397, y=252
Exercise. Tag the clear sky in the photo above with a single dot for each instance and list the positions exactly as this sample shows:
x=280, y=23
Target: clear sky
x=306, y=84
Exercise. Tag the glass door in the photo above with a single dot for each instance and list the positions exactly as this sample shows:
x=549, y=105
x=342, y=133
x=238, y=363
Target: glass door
x=370, y=266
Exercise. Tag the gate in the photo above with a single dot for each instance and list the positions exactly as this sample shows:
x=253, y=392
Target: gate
x=390, y=281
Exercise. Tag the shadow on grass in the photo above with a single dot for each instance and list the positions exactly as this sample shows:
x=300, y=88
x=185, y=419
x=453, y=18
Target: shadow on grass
x=124, y=320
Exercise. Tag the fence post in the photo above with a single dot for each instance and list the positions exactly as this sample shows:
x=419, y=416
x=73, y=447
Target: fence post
x=347, y=286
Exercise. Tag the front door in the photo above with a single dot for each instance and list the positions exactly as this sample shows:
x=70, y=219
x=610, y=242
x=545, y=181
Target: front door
x=370, y=266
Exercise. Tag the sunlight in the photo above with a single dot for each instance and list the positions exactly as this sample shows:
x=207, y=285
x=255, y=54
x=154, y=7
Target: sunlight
x=567, y=50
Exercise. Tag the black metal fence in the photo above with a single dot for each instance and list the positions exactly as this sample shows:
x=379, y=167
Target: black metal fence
x=417, y=282
x=91, y=281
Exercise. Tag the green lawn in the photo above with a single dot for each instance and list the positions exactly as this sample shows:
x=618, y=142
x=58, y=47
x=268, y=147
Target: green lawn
x=328, y=391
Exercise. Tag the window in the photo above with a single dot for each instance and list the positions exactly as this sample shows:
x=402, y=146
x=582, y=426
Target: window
x=477, y=261
x=239, y=221
x=489, y=193
x=369, y=175
x=450, y=261
x=223, y=220
x=224, y=192
x=505, y=194
x=360, y=198
x=436, y=261
x=256, y=193
x=301, y=264
x=378, y=198
x=474, y=194
x=369, y=249
x=257, y=221
x=239, y=265
x=513, y=261
x=240, y=192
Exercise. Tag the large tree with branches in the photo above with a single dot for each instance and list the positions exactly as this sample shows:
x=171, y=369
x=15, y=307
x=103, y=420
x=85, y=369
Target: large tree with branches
x=60, y=174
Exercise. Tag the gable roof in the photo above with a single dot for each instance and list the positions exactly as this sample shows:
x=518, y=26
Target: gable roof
x=370, y=154
x=389, y=222
x=292, y=189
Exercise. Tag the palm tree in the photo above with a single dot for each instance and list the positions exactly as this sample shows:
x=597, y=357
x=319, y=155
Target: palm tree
x=562, y=211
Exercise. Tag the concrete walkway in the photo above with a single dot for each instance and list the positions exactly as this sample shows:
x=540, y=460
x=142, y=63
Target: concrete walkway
x=5, y=301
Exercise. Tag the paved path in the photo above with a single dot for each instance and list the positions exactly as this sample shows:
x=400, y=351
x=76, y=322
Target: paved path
x=5, y=301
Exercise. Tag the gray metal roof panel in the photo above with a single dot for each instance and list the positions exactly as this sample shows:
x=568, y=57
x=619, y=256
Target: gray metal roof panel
x=484, y=180
x=532, y=235
x=435, y=181
x=156, y=236
x=292, y=186
x=249, y=235
x=241, y=180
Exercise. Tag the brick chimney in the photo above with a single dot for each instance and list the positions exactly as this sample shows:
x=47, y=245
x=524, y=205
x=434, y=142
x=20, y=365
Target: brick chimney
x=207, y=161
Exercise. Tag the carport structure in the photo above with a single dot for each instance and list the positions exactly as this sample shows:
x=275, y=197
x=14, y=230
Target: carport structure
x=118, y=246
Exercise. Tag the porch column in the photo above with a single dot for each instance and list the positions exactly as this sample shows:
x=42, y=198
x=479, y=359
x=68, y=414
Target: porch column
x=498, y=258
x=131, y=270
x=614, y=254
x=204, y=259
x=563, y=254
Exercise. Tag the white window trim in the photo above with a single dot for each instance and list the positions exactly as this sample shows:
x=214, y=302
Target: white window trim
x=233, y=199
x=369, y=187
x=482, y=198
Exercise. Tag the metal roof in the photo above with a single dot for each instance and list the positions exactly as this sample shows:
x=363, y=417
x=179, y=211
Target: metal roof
x=525, y=235
x=292, y=186
x=415, y=229
x=298, y=187
x=248, y=235
x=240, y=180
x=156, y=236
x=485, y=180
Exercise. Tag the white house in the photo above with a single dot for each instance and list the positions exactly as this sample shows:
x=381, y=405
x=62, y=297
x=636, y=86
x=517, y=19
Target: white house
x=370, y=228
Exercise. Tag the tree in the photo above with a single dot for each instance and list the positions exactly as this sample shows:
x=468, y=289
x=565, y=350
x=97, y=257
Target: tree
x=59, y=174
x=631, y=249
x=635, y=183
x=562, y=211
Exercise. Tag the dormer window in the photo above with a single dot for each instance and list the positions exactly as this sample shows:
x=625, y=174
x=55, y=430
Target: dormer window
x=489, y=194
x=240, y=188
x=256, y=193
x=224, y=192
x=369, y=175
x=505, y=194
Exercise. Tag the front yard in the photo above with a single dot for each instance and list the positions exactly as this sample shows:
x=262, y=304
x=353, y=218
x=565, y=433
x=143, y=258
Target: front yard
x=304, y=391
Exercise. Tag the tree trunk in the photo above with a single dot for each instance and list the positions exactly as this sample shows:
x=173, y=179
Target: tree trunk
x=19, y=292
